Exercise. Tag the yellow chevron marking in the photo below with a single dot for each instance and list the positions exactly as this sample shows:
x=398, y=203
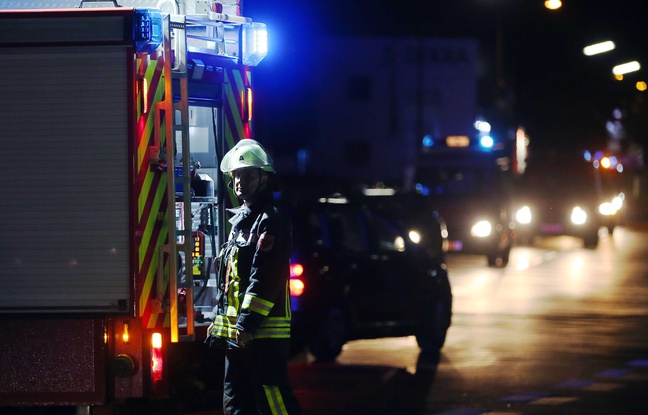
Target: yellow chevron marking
x=152, y=219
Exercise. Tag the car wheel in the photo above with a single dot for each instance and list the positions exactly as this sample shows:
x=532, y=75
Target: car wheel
x=332, y=333
x=591, y=241
x=500, y=259
x=434, y=322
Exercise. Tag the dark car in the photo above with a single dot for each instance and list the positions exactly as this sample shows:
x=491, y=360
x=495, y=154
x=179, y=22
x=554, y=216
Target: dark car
x=471, y=190
x=414, y=213
x=566, y=196
x=357, y=275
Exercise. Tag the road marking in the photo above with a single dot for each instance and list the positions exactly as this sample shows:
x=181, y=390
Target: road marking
x=524, y=397
x=602, y=387
x=465, y=411
x=638, y=363
x=525, y=260
x=554, y=400
x=613, y=373
x=576, y=384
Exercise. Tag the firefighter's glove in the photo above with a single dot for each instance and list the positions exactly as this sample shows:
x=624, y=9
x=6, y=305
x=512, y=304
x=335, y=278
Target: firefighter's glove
x=243, y=338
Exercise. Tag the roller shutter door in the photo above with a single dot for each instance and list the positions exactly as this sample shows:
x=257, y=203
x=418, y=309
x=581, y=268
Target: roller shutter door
x=64, y=236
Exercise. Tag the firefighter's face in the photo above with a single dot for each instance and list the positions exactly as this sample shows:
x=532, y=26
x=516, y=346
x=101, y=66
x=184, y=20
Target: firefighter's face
x=247, y=181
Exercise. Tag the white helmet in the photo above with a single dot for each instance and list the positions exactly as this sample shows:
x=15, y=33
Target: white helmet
x=246, y=153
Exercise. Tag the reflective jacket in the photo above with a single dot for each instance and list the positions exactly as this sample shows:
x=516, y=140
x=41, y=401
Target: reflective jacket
x=253, y=275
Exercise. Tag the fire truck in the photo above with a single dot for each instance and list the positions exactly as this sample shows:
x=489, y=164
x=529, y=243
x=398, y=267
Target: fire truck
x=114, y=118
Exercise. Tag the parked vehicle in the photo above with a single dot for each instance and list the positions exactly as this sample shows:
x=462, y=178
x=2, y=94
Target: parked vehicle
x=415, y=213
x=114, y=204
x=357, y=274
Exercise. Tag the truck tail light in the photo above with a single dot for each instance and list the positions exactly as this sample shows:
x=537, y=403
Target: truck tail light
x=156, y=357
x=296, y=287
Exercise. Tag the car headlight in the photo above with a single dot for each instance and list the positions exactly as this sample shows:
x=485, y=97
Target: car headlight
x=523, y=215
x=399, y=244
x=414, y=236
x=607, y=209
x=578, y=216
x=617, y=202
x=613, y=207
x=481, y=229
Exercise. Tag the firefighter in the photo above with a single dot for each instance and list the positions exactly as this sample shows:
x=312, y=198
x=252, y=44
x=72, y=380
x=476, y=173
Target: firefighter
x=252, y=313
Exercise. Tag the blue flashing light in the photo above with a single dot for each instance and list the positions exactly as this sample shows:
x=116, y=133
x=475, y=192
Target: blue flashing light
x=424, y=190
x=147, y=30
x=587, y=155
x=486, y=141
x=255, y=45
x=428, y=141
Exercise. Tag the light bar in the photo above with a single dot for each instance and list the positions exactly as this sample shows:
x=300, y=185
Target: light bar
x=379, y=192
x=457, y=141
x=255, y=43
x=147, y=30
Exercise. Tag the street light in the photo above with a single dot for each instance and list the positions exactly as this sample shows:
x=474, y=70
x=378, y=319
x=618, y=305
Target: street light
x=597, y=48
x=553, y=4
x=625, y=68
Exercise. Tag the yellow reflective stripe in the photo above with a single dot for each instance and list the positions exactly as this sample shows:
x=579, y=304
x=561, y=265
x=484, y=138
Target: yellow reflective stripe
x=223, y=327
x=275, y=400
x=272, y=333
x=233, y=303
x=276, y=322
x=274, y=328
x=288, y=310
x=256, y=304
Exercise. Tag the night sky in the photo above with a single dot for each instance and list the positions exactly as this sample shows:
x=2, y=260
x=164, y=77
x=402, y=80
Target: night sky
x=540, y=80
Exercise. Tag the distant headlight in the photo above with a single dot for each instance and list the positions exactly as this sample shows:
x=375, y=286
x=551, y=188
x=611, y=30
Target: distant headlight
x=523, y=215
x=414, y=236
x=399, y=244
x=613, y=207
x=607, y=209
x=578, y=216
x=481, y=229
x=617, y=202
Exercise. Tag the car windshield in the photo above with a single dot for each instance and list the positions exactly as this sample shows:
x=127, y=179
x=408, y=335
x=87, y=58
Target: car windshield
x=565, y=180
x=460, y=181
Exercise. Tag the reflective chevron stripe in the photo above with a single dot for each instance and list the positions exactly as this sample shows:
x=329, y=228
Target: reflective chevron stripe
x=258, y=305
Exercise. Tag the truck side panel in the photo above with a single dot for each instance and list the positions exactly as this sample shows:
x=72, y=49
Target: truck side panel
x=65, y=212
x=57, y=361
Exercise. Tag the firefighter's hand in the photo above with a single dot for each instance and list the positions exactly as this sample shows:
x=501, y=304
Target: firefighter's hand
x=243, y=338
